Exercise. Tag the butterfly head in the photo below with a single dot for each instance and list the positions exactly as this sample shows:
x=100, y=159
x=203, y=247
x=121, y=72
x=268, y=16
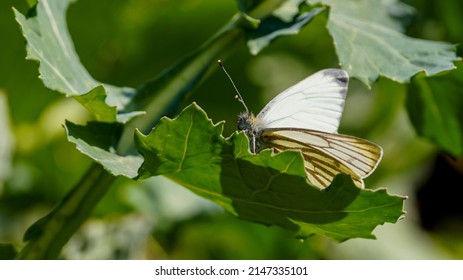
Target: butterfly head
x=249, y=124
x=245, y=122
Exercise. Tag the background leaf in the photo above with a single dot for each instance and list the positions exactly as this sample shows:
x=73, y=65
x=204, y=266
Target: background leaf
x=288, y=19
x=49, y=43
x=264, y=188
x=435, y=107
x=369, y=42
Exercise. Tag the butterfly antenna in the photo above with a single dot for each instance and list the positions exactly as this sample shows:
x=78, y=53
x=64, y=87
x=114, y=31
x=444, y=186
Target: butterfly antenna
x=238, y=96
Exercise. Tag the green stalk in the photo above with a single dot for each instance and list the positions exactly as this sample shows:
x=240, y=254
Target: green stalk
x=54, y=230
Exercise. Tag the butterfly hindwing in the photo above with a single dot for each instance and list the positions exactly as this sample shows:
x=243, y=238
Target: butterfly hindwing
x=325, y=154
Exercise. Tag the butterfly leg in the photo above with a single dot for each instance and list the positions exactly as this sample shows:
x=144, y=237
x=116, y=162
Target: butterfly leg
x=253, y=144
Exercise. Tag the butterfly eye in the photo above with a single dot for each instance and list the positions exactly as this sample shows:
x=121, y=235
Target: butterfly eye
x=242, y=123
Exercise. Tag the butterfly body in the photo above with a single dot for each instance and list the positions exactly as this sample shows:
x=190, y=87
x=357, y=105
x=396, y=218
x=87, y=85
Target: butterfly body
x=306, y=117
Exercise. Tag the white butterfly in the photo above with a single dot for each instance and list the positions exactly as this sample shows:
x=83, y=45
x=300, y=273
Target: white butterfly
x=306, y=117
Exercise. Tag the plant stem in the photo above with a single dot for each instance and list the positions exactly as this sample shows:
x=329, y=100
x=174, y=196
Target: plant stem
x=59, y=225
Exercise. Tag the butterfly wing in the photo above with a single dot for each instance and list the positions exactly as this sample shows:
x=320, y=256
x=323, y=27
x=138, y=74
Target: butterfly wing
x=314, y=103
x=325, y=154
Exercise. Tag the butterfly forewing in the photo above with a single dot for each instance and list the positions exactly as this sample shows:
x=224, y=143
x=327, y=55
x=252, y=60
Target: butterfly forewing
x=317, y=103
x=325, y=154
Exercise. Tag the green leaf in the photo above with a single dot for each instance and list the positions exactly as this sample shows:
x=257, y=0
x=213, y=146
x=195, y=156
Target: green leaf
x=286, y=20
x=50, y=44
x=98, y=140
x=94, y=101
x=435, y=107
x=369, y=42
x=267, y=188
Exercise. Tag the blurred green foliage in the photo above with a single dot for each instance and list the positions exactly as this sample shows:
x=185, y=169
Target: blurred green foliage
x=128, y=42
